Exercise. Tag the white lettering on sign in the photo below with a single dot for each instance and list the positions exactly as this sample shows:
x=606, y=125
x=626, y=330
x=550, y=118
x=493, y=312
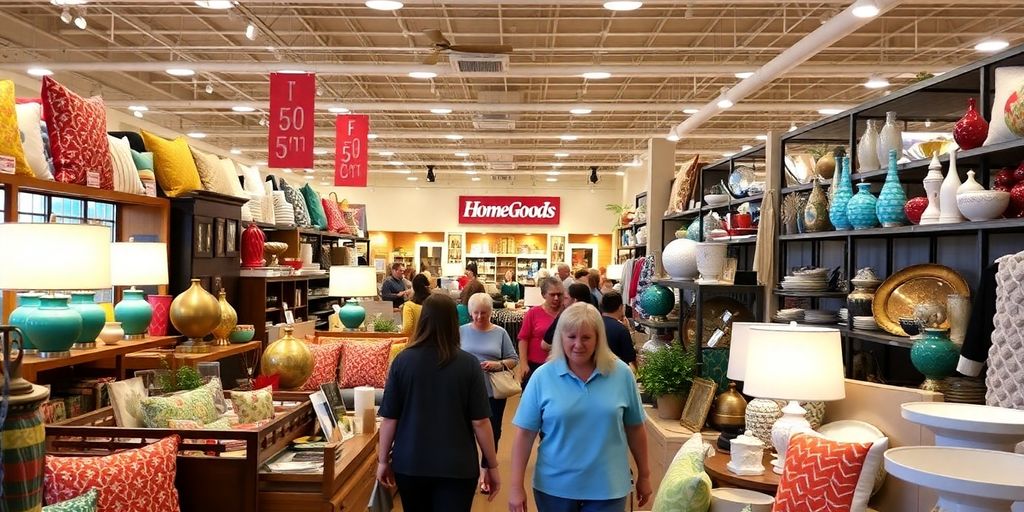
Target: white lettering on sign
x=514, y=210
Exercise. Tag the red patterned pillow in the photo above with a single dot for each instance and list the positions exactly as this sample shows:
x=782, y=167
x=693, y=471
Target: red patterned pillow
x=820, y=474
x=364, y=363
x=139, y=480
x=78, y=136
x=325, y=364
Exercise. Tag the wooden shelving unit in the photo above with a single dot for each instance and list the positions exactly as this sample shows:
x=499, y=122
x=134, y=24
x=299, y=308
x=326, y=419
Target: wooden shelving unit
x=261, y=300
x=31, y=365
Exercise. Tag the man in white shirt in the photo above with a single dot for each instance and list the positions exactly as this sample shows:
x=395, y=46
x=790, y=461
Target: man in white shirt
x=565, y=275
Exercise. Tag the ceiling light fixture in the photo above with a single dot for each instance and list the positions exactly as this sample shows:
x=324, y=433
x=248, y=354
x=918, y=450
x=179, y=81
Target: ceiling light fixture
x=65, y=15
x=137, y=114
x=40, y=72
x=236, y=151
x=593, y=174
x=441, y=111
x=620, y=173
x=430, y=174
x=561, y=155
x=876, y=82
x=475, y=178
x=290, y=71
x=80, y=21
x=196, y=135
x=829, y=111
x=386, y=153
x=623, y=5
x=68, y=2
x=991, y=45
x=422, y=75
x=384, y=5
x=746, y=147
x=635, y=163
x=672, y=137
x=556, y=164
x=725, y=103
x=467, y=164
x=471, y=172
x=320, y=151
x=792, y=127
x=865, y=9
x=412, y=178
x=553, y=173
x=338, y=110
x=551, y=180
x=761, y=137
x=453, y=136
x=927, y=123
x=727, y=154
x=214, y=4
x=396, y=163
x=243, y=108
x=580, y=111
x=461, y=154
x=250, y=32
x=569, y=138
x=372, y=136
x=743, y=75
x=209, y=89
x=596, y=75
x=180, y=72
x=404, y=171
x=690, y=110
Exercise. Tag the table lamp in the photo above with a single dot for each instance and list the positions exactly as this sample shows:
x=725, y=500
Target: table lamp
x=55, y=257
x=352, y=282
x=793, y=363
x=613, y=272
x=730, y=406
x=136, y=264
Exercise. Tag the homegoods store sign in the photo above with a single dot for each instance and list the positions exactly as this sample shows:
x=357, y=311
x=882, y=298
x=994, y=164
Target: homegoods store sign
x=509, y=210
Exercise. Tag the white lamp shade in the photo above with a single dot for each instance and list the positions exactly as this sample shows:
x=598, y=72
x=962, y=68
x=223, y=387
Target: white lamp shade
x=794, y=363
x=532, y=296
x=452, y=269
x=138, y=263
x=54, y=257
x=739, y=344
x=613, y=272
x=348, y=281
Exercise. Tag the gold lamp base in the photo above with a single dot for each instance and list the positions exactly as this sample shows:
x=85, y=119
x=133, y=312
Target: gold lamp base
x=728, y=415
x=221, y=342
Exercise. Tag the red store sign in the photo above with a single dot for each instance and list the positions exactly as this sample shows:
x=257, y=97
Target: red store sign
x=509, y=210
x=292, y=97
x=350, y=144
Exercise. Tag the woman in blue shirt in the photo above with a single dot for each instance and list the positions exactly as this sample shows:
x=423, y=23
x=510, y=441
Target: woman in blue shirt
x=585, y=402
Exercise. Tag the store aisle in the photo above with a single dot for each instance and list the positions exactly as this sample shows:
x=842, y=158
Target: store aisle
x=500, y=503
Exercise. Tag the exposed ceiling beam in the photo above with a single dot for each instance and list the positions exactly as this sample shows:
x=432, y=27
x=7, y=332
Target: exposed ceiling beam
x=489, y=4
x=434, y=134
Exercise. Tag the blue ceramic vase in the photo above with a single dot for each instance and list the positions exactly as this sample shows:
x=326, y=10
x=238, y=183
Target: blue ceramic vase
x=93, y=318
x=841, y=194
x=892, y=199
x=54, y=327
x=27, y=303
x=134, y=313
x=936, y=356
x=860, y=211
x=657, y=301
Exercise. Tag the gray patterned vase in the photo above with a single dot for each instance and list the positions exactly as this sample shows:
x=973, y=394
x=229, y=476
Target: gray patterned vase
x=861, y=208
x=892, y=199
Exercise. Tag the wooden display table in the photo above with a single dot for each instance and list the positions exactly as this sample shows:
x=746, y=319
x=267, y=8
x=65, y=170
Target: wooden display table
x=151, y=359
x=32, y=364
x=767, y=482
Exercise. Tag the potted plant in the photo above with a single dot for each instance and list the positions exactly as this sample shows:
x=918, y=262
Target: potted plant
x=381, y=324
x=623, y=213
x=666, y=374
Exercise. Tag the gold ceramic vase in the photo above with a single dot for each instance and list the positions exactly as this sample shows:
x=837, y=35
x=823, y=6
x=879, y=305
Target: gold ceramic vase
x=228, y=321
x=290, y=359
x=195, y=313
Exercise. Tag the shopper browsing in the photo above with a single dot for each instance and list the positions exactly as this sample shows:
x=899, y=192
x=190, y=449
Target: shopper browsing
x=411, y=308
x=565, y=275
x=393, y=288
x=510, y=288
x=535, y=323
x=577, y=293
x=613, y=312
x=472, y=288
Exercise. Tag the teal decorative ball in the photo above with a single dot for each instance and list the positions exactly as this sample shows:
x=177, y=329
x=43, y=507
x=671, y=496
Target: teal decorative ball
x=657, y=300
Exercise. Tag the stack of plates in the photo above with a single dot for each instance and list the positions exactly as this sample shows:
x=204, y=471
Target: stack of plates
x=284, y=212
x=844, y=315
x=866, y=323
x=965, y=391
x=790, y=315
x=820, y=316
x=812, y=280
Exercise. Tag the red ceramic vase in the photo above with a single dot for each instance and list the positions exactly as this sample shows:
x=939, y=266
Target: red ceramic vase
x=972, y=129
x=161, y=309
x=252, y=247
x=914, y=208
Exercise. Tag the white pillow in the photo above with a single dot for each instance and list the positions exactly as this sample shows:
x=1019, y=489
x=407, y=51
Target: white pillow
x=126, y=175
x=230, y=177
x=29, y=118
x=253, y=181
x=1009, y=79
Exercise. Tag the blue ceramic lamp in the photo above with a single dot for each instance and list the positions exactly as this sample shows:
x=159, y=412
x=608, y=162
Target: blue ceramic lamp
x=136, y=264
x=353, y=283
x=56, y=257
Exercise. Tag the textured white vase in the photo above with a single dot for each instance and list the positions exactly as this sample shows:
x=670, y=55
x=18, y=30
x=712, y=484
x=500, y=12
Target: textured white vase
x=680, y=259
x=949, y=211
x=932, y=184
x=867, y=149
x=711, y=262
x=889, y=138
x=111, y=333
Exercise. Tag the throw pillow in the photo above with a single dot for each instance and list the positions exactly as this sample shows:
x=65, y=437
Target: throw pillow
x=125, y=398
x=873, y=475
x=253, y=406
x=396, y=348
x=326, y=357
x=216, y=388
x=10, y=134
x=195, y=405
x=685, y=487
x=85, y=503
x=126, y=175
x=820, y=474
x=78, y=136
x=173, y=164
x=143, y=161
x=221, y=424
x=184, y=424
x=30, y=117
x=314, y=207
x=139, y=480
x=335, y=220
x=298, y=202
x=351, y=219
x=364, y=363
x=253, y=184
x=210, y=174
x=682, y=187
x=1008, y=106
x=230, y=176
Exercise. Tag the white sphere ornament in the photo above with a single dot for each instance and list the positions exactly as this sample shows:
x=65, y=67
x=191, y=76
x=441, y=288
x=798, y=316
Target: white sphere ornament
x=680, y=258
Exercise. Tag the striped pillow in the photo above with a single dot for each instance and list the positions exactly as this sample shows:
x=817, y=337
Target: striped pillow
x=126, y=175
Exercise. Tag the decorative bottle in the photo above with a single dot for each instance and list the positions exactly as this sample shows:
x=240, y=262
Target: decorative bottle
x=867, y=149
x=816, y=217
x=932, y=184
x=842, y=191
x=861, y=210
x=289, y=358
x=891, y=200
x=949, y=211
x=889, y=138
x=971, y=130
x=252, y=247
x=228, y=320
x=934, y=355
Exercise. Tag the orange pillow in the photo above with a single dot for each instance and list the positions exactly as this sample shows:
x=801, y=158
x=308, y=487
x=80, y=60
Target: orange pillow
x=325, y=363
x=820, y=474
x=364, y=363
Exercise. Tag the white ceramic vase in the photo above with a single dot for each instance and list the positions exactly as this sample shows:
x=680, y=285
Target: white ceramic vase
x=112, y=333
x=711, y=262
x=680, y=259
x=867, y=149
x=958, y=312
x=932, y=185
x=949, y=211
x=889, y=138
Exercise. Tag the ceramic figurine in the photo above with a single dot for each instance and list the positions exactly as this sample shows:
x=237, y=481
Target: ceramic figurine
x=746, y=455
x=815, y=213
x=969, y=185
x=932, y=184
x=842, y=192
x=889, y=206
x=867, y=149
x=889, y=138
x=861, y=210
x=971, y=130
x=949, y=212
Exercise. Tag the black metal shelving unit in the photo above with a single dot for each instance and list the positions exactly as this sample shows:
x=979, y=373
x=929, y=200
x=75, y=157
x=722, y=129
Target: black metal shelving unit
x=625, y=252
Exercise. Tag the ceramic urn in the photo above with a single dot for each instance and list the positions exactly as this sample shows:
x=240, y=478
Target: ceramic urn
x=289, y=358
x=228, y=320
x=195, y=312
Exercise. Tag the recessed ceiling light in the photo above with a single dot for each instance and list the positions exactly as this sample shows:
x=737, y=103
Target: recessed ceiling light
x=196, y=135
x=556, y=164
x=742, y=75
x=876, y=82
x=568, y=138
x=461, y=154
x=309, y=177
x=727, y=154
x=453, y=136
x=180, y=72
x=372, y=136
x=561, y=155
x=320, y=151
x=475, y=178
x=991, y=45
x=39, y=72
x=441, y=111
x=242, y=108
x=553, y=173
x=423, y=75
x=396, y=163
x=404, y=171
x=746, y=147
x=580, y=111
x=865, y=9
x=552, y=180
x=412, y=178
x=623, y=5
x=386, y=153
x=620, y=173
x=236, y=151
x=690, y=110
x=138, y=108
x=761, y=137
x=672, y=137
x=829, y=111
x=725, y=103
x=338, y=110
x=467, y=164
x=384, y=5
x=471, y=172
x=289, y=171
x=596, y=75
x=215, y=4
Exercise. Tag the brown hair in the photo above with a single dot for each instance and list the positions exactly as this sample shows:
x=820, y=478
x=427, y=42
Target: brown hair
x=438, y=328
x=581, y=273
x=471, y=288
x=594, y=279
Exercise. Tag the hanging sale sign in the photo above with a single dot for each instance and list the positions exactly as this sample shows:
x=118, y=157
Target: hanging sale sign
x=350, y=162
x=292, y=97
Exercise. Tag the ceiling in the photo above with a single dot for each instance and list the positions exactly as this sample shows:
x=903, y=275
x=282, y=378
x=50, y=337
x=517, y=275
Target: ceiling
x=663, y=58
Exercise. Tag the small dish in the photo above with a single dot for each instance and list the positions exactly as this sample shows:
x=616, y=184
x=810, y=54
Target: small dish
x=910, y=325
x=242, y=333
x=716, y=199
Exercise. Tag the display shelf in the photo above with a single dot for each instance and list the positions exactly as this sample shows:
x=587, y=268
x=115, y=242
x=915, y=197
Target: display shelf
x=930, y=229
x=817, y=295
x=672, y=323
x=318, y=297
x=38, y=186
x=32, y=364
x=322, y=312
x=685, y=214
x=878, y=337
x=744, y=200
x=693, y=285
x=152, y=359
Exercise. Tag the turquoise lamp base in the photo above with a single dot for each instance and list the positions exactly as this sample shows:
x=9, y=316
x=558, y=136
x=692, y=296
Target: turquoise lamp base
x=93, y=319
x=27, y=303
x=134, y=313
x=54, y=327
x=352, y=314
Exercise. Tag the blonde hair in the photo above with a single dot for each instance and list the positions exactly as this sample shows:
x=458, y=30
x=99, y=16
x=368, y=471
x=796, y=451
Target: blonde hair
x=575, y=316
x=478, y=301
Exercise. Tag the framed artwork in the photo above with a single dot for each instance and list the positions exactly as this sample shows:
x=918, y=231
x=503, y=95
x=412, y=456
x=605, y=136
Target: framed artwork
x=454, y=244
x=360, y=216
x=202, y=237
x=231, y=238
x=698, y=404
x=219, y=232
x=729, y=271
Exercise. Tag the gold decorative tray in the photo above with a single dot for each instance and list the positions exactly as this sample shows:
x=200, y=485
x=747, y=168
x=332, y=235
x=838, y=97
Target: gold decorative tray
x=902, y=291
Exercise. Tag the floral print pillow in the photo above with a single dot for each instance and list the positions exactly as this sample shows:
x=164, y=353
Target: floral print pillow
x=217, y=390
x=253, y=406
x=85, y=503
x=196, y=405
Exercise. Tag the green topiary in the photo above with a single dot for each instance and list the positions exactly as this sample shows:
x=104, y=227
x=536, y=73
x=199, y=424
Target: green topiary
x=668, y=371
x=381, y=324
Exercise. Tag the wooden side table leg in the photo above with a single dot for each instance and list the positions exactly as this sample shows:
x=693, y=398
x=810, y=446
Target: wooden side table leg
x=119, y=367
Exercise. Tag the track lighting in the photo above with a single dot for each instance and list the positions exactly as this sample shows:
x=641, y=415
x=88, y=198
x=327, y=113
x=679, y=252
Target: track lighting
x=80, y=21
x=876, y=82
x=251, y=32
x=430, y=174
x=865, y=9
x=593, y=174
x=65, y=15
x=137, y=114
x=209, y=88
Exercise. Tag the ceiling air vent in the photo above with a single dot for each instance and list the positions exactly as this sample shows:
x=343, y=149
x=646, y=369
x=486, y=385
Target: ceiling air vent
x=494, y=122
x=478, y=62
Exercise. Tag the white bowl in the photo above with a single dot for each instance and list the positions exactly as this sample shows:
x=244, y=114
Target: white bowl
x=716, y=199
x=983, y=204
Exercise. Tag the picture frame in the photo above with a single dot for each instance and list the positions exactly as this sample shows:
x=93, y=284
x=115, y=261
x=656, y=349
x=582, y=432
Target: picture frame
x=698, y=404
x=729, y=271
x=231, y=238
x=219, y=233
x=360, y=217
x=202, y=237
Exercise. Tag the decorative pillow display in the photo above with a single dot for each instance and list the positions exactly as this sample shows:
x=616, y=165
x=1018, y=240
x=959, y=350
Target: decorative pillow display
x=364, y=363
x=143, y=161
x=335, y=221
x=821, y=474
x=298, y=203
x=396, y=348
x=686, y=487
x=210, y=174
x=221, y=424
x=216, y=388
x=267, y=207
x=230, y=176
x=126, y=175
x=326, y=357
x=351, y=221
x=85, y=503
x=1007, y=120
x=78, y=136
x=30, y=117
x=314, y=207
x=125, y=398
x=191, y=405
x=173, y=164
x=873, y=475
x=682, y=187
x=253, y=183
x=253, y=406
x=139, y=480
x=10, y=134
